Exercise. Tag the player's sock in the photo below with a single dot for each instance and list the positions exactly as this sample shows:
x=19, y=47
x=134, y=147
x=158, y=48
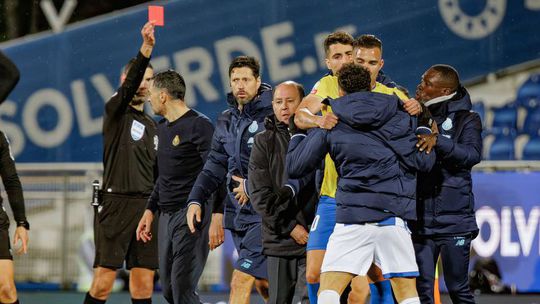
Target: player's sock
x=141, y=301
x=381, y=292
x=312, y=290
x=328, y=297
x=415, y=300
x=91, y=300
x=375, y=296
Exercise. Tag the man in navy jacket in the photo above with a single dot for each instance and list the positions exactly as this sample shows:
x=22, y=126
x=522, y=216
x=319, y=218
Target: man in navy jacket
x=373, y=147
x=445, y=202
x=249, y=103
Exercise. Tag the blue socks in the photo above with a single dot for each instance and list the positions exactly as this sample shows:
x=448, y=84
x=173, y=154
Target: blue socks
x=312, y=290
x=381, y=292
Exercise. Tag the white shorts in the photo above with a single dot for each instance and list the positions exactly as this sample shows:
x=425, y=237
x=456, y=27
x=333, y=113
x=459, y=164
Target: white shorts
x=353, y=248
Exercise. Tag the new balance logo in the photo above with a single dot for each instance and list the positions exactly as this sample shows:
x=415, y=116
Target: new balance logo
x=246, y=264
x=460, y=242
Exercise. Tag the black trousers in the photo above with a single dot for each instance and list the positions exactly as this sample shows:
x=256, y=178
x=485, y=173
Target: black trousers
x=182, y=256
x=285, y=275
x=454, y=251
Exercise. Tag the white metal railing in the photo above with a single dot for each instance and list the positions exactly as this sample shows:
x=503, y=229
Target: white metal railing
x=507, y=165
x=57, y=200
x=58, y=207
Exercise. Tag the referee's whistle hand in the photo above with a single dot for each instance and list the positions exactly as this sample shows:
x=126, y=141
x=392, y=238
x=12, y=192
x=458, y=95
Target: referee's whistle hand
x=193, y=216
x=143, y=232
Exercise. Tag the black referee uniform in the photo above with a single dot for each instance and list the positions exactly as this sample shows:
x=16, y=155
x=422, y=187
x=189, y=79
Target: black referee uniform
x=9, y=77
x=130, y=144
x=12, y=184
x=183, y=147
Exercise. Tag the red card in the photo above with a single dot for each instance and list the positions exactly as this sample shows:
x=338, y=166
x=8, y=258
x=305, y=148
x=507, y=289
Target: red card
x=155, y=13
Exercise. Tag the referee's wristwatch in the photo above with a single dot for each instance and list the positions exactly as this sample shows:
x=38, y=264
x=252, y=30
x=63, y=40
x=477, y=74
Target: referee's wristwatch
x=24, y=224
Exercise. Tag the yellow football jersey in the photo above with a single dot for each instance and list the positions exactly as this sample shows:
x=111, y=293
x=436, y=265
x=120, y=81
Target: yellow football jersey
x=328, y=87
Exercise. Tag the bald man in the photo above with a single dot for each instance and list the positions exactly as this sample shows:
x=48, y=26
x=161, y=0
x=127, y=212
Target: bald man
x=287, y=206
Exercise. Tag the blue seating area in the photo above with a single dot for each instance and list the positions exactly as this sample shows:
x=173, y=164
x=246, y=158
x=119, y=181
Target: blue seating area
x=506, y=135
x=532, y=149
x=532, y=122
x=504, y=118
x=528, y=95
x=502, y=147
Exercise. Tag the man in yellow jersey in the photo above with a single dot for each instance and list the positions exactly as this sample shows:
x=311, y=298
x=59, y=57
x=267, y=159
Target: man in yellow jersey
x=376, y=187
x=339, y=50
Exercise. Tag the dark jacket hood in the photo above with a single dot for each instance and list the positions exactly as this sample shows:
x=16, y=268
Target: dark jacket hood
x=365, y=109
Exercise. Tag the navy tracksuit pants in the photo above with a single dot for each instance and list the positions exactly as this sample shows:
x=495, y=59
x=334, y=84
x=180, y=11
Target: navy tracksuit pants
x=454, y=251
x=182, y=256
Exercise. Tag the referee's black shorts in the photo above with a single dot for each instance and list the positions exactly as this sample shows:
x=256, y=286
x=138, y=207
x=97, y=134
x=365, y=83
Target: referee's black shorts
x=5, y=247
x=116, y=221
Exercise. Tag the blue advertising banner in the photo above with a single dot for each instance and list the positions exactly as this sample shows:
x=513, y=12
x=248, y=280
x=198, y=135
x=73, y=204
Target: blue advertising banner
x=508, y=213
x=55, y=113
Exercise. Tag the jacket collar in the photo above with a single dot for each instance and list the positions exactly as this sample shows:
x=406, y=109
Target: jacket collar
x=460, y=101
x=271, y=123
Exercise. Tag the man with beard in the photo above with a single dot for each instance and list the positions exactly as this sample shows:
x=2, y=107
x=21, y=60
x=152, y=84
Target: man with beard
x=130, y=144
x=446, y=219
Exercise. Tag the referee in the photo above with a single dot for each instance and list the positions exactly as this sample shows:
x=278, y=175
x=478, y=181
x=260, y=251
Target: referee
x=130, y=144
x=8, y=294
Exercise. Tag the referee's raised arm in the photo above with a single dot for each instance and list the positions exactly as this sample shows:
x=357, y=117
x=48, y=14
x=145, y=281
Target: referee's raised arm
x=133, y=74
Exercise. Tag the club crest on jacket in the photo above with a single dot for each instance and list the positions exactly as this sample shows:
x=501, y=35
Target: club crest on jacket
x=176, y=141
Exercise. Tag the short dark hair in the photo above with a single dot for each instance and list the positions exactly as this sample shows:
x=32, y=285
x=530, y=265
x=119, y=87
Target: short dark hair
x=448, y=75
x=368, y=41
x=130, y=64
x=335, y=38
x=246, y=62
x=172, y=82
x=297, y=86
x=353, y=78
